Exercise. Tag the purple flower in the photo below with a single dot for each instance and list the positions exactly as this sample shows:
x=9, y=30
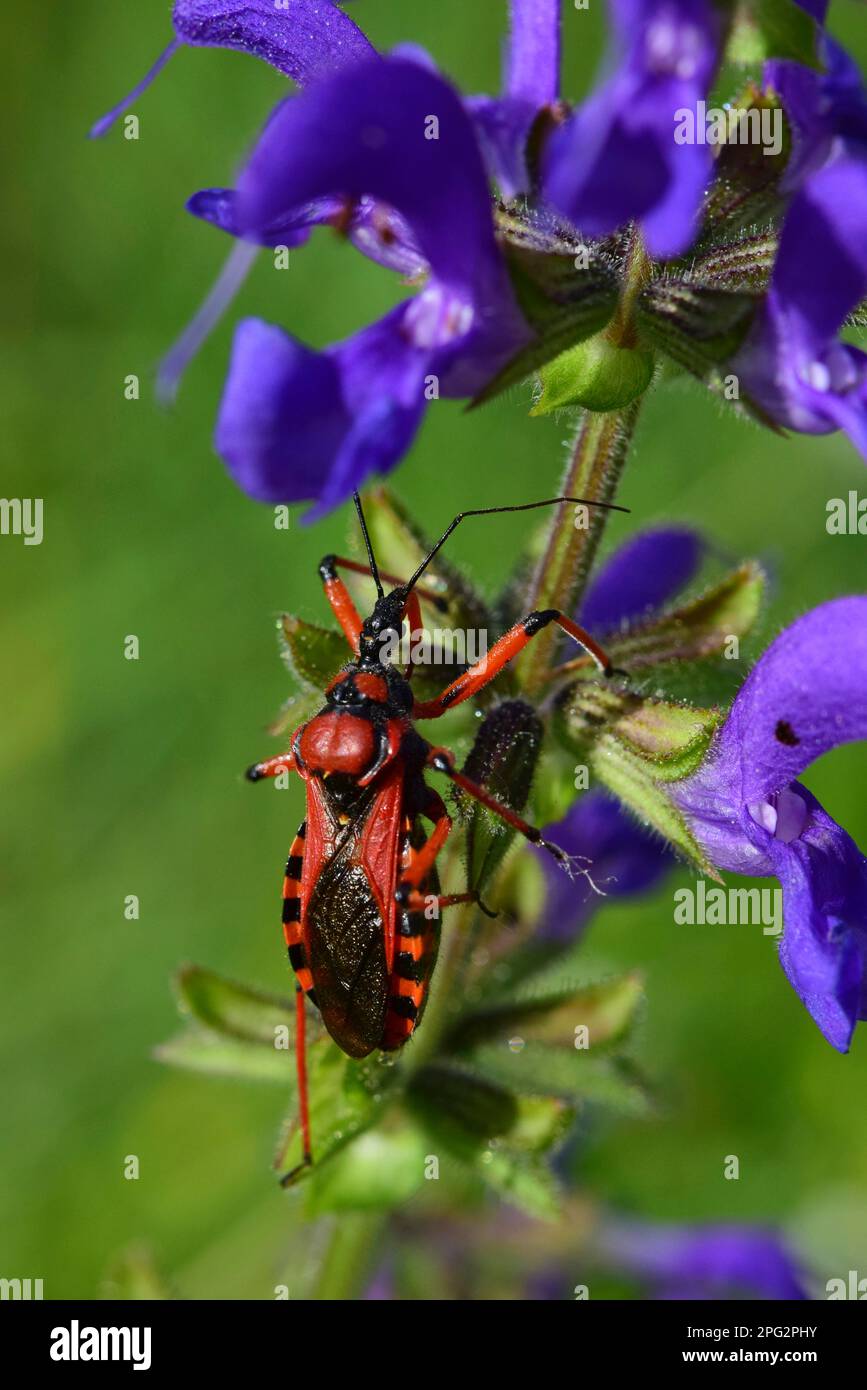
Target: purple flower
x=704, y=1261
x=305, y=39
x=297, y=424
x=793, y=364
x=641, y=577
x=616, y=159
x=807, y=694
x=625, y=859
x=531, y=82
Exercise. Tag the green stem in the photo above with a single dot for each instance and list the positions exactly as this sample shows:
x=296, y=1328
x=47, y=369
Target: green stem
x=594, y=470
x=347, y=1259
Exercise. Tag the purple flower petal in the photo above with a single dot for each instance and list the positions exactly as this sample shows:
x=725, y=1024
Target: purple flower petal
x=623, y=860
x=374, y=229
x=362, y=137
x=826, y=228
x=296, y=424
x=641, y=576
x=666, y=54
x=817, y=8
x=503, y=126
x=824, y=951
x=531, y=82
x=303, y=38
x=827, y=110
x=807, y=694
x=395, y=131
x=533, y=55
x=709, y=1260
x=792, y=364
x=219, y=206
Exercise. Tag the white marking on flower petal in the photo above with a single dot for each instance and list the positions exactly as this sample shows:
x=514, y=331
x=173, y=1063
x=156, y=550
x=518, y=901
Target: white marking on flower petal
x=437, y=317
x=673, y=48
x=764, y=814
x=784, y=816
x=792, y=814
x=842, y=366
x=816, y=374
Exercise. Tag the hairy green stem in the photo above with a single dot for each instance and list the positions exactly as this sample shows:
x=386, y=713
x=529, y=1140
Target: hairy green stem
x=594, y=470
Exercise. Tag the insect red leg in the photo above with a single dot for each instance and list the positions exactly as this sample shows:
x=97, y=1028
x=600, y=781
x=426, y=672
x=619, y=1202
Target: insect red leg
x=303, y=1101
x=408, y=894
x=501, y=653
x=272, y=767
x=341, y=602
x=441, y=760
x=425, y=857
x=356, y=567
x=414, y=901
x=340, y=599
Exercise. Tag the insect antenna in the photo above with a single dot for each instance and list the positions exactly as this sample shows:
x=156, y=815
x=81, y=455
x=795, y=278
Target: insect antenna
x=370, y=555
x=487, y=511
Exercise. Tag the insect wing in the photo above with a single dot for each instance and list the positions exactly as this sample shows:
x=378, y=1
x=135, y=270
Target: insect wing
x=348, y=924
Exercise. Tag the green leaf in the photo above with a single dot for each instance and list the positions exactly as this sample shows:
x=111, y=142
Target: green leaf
x=673, y=738
x=572, y=1074
x=346, y=1098
x=379, y=1170
x=525, y=1183
x=313, y=654
x=541, y=1124
x=858, y=316
x=595, y=374
x=236, y=1010
x=470, y=1109
x=630, y=780
x=549, y=1008
x=765, y=29
x=490, y=1132
x=199, y=1050
x=694, y=631
x=135, y=1277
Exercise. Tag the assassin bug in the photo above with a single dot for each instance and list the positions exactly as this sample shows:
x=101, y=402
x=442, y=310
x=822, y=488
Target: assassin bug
x=361, y=871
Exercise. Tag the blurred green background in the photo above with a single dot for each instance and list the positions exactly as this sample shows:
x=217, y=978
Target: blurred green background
x=123, y=776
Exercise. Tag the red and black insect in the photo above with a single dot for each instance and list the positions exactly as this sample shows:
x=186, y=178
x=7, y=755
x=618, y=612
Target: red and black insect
x=362, y=870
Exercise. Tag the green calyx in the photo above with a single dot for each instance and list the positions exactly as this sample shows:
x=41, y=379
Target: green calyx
x=596, y=374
